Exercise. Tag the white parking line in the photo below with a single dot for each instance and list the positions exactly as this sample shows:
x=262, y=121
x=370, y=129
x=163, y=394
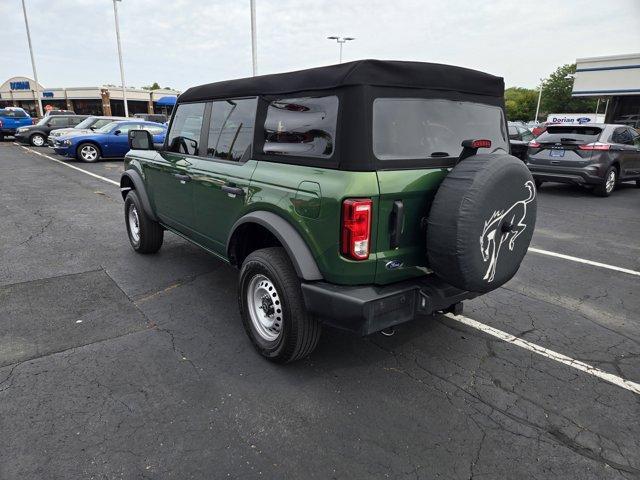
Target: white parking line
x=545, y=352
x=585, y=261
x=71, y=166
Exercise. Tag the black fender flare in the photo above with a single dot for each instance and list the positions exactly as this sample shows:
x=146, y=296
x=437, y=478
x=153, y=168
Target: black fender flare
x=138, y=186
x=295, y=246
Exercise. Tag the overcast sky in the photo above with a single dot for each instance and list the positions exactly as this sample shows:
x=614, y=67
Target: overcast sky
x=180, y=43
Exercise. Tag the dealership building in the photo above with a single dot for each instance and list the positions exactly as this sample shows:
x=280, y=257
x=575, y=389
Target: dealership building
x=615, y=79
x=105, y=100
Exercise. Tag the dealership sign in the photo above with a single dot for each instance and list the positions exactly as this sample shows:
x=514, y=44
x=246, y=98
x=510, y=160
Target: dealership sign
x=21, y=85
x=575, y=118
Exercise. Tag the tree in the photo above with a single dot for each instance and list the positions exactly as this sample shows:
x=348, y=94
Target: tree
x=155, y=86
x=520, y=103
x=556, y=93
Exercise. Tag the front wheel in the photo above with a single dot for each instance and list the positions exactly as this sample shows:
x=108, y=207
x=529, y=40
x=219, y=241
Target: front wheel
x=145, y=235
x=88, y=152
x=272, y=309
x=608, y=184
x=37, y=140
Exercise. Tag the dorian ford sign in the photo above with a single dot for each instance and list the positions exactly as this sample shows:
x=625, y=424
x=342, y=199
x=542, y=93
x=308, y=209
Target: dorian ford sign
x=575, y=118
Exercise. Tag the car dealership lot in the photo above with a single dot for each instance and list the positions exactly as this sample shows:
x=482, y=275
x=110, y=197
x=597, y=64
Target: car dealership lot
x=117, y=365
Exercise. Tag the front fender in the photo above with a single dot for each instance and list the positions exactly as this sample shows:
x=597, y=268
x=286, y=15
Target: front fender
x=134, y=177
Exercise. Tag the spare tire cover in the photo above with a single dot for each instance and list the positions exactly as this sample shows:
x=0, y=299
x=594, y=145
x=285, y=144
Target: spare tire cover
x=481, y=222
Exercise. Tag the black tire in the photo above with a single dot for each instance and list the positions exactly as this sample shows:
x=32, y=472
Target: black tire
x=88, y=152
x=538, y=183
x=481, y=222
x=604, y=189
x=638, y=183
x=37, y=140
x=1, y=137
x=150, y=234
x=297, y=331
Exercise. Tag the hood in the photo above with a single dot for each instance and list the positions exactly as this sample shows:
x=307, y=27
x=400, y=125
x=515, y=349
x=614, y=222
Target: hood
x=74, y=133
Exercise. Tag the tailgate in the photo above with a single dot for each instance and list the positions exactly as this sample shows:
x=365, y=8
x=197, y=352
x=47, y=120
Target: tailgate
x=405, y=199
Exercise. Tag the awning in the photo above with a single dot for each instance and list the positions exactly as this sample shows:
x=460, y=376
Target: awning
x=166, y=101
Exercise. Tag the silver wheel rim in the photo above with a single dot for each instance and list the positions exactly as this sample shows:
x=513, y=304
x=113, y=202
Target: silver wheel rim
x=134, y=224
x=265, y=308
x=38, y=140
x=611, y=181
x=88, y=153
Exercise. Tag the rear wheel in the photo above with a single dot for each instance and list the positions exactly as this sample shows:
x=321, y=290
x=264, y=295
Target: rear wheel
x=37, y=140
x=272, y=308
x=145, y=235
x=88, y=152
x=608, y=184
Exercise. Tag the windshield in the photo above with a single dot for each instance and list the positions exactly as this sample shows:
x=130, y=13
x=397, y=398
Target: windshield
x=417, y=128
x=12, y=113
x=107, y=128
x=86, y=123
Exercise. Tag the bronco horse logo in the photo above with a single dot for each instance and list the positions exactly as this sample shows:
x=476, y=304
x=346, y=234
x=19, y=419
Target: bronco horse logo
x=503, y=226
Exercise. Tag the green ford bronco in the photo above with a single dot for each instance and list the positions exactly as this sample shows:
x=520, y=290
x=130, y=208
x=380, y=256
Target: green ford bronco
x=359, y=195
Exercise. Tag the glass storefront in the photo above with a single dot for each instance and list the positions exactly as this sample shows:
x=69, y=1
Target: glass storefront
x=625, y=110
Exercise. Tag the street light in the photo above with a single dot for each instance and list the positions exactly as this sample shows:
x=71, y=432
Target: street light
x=124, y=89
x=33, y=63
x=341, y=41
x=254, y=53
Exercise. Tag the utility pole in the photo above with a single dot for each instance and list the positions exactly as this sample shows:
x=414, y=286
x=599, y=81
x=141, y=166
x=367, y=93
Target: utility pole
x=341, y=41
x=254, y=53
x=40, y=112
x=124, y=88
x=539, y=98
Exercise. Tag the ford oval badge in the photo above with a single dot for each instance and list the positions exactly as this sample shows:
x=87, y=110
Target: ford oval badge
x=393, y=265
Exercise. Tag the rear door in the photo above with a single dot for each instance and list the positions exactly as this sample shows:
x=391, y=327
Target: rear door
x=425, y=133
x=221, y=175
x=623, y=141
x=168, y=176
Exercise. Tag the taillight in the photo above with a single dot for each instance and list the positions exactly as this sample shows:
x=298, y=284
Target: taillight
x=595, y=146
x=356, y=228
x=534, y=144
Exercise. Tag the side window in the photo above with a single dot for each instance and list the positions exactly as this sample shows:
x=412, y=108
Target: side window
x=513, y=133
x=184, y=135
x=526, y=135
x=303, y=127
x=622, y=135
x=129, y=126
x=58, y=121
x=152, y=129
x=635, y=137
x=231, y=128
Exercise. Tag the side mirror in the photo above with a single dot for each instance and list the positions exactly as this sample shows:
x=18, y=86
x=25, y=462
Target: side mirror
x=48, y=124
x=117, y=132
x=140, y=140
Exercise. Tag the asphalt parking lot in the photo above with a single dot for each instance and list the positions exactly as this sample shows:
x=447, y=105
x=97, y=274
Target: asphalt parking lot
x=118, y=365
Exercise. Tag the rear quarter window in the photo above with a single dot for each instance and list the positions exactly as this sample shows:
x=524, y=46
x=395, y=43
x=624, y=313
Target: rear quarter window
x=303, y=127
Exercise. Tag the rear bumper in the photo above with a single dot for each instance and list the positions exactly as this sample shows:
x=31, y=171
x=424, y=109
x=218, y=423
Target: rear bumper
x=371, y=308
x=590, y=175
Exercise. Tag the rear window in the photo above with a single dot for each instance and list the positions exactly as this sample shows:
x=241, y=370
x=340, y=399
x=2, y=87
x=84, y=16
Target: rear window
x=12, y=113
x=418, y=128
x=304, y=127
x=568, y=133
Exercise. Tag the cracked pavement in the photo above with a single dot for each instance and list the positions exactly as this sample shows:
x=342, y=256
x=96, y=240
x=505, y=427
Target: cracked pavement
x=118, y=365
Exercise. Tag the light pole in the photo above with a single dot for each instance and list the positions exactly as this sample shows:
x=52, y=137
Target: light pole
x=539, y=98
x=124, y=88
x=254, y=53
x=33, y=63
x=341, y=41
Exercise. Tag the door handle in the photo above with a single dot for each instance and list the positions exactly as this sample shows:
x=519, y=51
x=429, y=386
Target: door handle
x=182, y=177
x=233, y=190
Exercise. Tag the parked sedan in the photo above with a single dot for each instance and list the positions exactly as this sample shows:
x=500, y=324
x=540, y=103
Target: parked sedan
x=37, y=134
x=598, y=155
x=110, y=141
x=519, y=138
x=88, y=125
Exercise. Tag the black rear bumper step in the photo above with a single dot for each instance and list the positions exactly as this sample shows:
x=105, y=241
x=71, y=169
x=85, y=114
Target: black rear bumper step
x=370, y=308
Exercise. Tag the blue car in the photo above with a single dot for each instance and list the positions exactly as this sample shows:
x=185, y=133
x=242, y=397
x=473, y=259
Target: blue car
x=12, y=118
x=110, y=141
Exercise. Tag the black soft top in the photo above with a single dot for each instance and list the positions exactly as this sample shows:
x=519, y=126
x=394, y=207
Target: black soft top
x=382, y=73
